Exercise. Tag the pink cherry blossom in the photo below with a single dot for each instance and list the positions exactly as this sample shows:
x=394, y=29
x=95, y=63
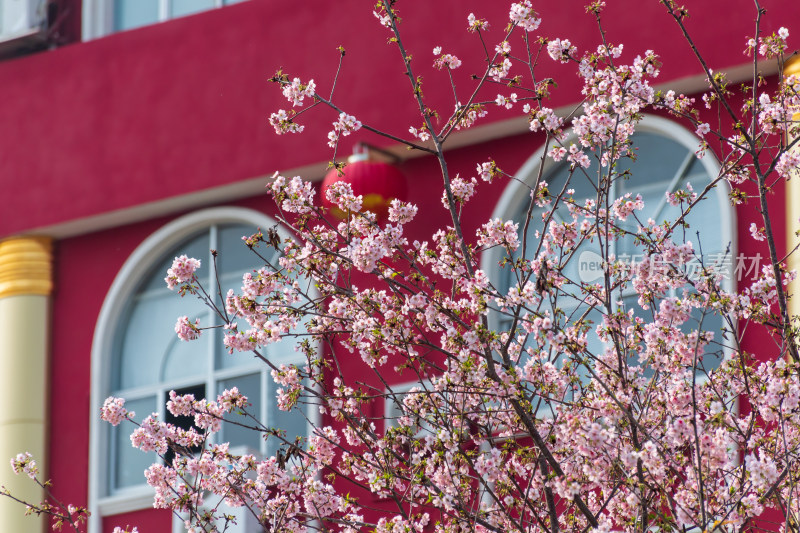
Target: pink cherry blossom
x=448, y=61
x=114, y=412
x=475, y=24
x=422, y=134
x=497, y=232
x=462, y=190
x=24, y=463
x=186, y=330
x=283, y=123
x=342, y=128
x=530, y=396
x=401, y=212
x=508, y=103
x=488, y=170
x=757, y=233
x=561, y=50
x=181, y=271
x=702, y=129
x=501, y=70
x=522, y=14
x=297, y=91
x=341, y=194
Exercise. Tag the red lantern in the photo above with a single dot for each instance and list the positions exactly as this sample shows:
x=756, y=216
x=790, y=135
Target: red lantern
x=377, y=182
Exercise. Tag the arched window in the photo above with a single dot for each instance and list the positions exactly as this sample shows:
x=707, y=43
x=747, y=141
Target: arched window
x=665, y=161
x=137, y=355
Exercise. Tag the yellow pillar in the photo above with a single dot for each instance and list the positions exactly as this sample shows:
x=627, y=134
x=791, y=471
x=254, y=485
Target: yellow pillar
x=25, y=287
x=792, y=67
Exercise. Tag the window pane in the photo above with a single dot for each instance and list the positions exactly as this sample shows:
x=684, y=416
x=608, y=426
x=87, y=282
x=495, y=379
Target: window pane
x=129, y=463
x=198, y=248
x=184, y=359
x=707, y=320
x=187, y=7
x=183, y=422
x=134, y=13
x=293, y=422
x=235, y=257
x=149, y=341
x=250, y=386
x=658, y=158
x=234, y=260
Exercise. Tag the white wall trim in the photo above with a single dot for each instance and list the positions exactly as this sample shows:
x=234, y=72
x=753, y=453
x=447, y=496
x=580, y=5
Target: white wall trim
x=168, y=206
x=96, y=19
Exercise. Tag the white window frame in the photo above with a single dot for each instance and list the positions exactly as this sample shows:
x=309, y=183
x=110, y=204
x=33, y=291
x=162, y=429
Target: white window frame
x=517, y=194
x=144, y=257
x=98, y=16
x=245, y=521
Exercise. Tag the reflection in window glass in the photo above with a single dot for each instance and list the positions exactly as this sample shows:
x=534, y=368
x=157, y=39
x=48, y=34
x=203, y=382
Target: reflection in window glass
x=129, y=14
x=187, y=7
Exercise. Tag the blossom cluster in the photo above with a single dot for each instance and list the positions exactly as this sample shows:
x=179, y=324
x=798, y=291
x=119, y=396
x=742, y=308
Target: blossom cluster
x=561, y=50
x=475, y=24
x=465, y=116
x=341, y=194
x=182, y=271
x=448, y=61
x=522, y=14
x=343, y=127
x=24, y=463
x=114, y=412
x=499, y=233
x=297, y=91
x=500, y=71
x=507, y=102
x=461, y=189
x=294, y=195
x=422, y=133
x=769, y=46
x=283, y=123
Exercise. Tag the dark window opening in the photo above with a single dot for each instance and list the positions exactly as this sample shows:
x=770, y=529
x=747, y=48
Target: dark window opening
x=184, y=422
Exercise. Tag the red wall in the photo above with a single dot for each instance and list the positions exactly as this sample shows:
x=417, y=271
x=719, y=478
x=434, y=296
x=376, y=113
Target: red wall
x=182, y=106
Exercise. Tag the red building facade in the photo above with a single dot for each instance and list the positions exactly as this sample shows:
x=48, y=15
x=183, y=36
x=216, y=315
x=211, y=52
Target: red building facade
x=120, y=145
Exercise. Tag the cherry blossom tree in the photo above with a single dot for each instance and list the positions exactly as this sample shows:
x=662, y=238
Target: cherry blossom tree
x=543, y=402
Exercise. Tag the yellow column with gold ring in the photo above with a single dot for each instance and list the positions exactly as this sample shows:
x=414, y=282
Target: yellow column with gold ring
x=792, y=67
x=26, y=282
